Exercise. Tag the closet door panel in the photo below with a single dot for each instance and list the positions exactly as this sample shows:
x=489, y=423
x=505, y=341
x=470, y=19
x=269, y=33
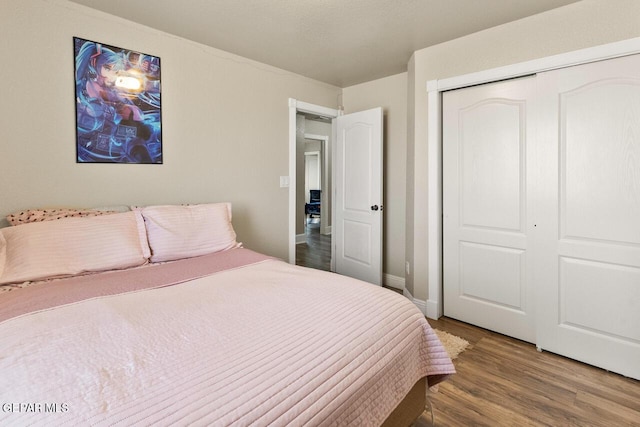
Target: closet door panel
x=599, y=162
x=491, y=173
x=608, y=310
x=487, y=259
x=587, y=236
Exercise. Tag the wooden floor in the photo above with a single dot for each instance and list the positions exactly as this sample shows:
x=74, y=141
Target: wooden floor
x=501, y=381
x=316, y=251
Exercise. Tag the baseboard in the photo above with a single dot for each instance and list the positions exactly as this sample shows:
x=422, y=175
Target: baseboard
x=301, y=238
x=422, y=305
x=394, y=282
x=327, y=231
x=433, y=310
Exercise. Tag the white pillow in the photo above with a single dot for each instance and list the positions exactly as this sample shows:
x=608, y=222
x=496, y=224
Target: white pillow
x=70, y=246
x=176, y=232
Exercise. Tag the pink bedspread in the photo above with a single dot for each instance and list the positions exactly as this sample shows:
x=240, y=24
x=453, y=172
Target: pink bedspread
x=239, y=339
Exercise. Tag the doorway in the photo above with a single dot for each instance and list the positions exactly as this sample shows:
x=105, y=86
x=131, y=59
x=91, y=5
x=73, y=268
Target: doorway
x=317, y=148
x=356, y=188
x=310, y=125
x=313, y=245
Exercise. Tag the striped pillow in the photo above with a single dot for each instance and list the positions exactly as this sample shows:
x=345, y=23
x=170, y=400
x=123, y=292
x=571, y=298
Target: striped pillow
x=176, y=232
x=70, y=246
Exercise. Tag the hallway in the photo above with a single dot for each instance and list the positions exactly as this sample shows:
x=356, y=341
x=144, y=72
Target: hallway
x=316, y=252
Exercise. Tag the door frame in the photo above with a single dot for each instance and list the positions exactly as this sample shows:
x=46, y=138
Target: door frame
x=295, y=107
x=315, y=154
x=325, y=229
x=318, y=159
x=434, y=304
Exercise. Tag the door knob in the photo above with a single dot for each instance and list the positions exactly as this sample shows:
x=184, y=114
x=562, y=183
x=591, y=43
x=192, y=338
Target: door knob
x=374, y=207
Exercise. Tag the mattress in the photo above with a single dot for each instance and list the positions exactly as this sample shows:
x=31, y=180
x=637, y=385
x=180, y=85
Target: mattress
x=234, y=338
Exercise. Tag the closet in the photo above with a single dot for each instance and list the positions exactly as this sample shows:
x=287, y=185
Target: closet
x=541, y=210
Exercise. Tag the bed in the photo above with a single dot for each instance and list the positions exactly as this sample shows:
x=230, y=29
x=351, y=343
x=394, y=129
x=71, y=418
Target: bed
x=158, y=316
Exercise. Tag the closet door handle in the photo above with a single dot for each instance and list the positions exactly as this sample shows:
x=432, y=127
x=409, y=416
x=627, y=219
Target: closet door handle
x=374, y=207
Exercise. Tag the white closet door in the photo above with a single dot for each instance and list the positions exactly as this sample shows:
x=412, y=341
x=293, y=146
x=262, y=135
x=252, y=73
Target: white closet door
x=486, y=217
x=588, y=214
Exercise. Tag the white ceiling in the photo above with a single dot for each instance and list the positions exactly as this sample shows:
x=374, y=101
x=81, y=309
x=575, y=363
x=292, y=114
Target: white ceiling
x=341, y=42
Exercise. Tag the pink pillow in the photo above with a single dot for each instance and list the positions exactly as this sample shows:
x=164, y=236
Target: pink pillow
x=70, y=246
x=176, y=232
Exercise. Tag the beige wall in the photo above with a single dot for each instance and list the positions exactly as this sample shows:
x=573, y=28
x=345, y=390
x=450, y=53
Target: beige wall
x=576, y=26
x=390, y=93
x=225, y=123
x=225, y=118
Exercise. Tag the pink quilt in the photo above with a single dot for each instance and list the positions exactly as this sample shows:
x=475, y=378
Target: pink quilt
x=235, y=338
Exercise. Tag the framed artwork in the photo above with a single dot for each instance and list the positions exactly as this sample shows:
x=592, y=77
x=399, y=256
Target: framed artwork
x=118, y=108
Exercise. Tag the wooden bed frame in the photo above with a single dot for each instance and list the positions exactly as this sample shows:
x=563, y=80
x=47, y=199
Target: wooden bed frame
x=411, y=407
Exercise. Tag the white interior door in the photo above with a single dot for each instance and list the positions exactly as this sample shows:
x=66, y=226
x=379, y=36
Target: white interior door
x=357, y=222
x=588, y=222
x=486, y=218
